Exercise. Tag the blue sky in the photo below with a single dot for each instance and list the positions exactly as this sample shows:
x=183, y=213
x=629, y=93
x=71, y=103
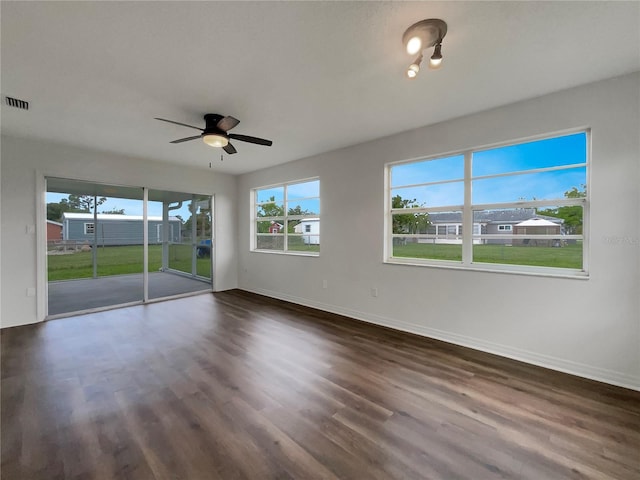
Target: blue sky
x=305, y=194
x=561, y=151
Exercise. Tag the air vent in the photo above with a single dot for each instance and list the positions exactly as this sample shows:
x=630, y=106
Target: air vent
x=16, y=103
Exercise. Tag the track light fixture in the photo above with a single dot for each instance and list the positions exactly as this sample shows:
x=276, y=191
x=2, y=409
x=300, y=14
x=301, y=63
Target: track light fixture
x=420, y=36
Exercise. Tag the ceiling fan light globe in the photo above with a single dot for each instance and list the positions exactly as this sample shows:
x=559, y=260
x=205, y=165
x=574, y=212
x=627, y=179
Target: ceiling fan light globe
x=215, y=140
x=414, y=45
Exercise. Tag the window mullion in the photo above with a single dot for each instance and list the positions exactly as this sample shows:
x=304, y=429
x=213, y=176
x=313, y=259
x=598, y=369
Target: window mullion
x=467, y=213
x=285, y=213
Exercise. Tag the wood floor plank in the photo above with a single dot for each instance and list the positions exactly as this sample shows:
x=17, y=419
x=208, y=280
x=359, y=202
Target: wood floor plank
x=239, y=386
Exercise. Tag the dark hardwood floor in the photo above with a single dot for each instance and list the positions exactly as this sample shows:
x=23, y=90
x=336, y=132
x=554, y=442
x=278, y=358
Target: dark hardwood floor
x=235, y=386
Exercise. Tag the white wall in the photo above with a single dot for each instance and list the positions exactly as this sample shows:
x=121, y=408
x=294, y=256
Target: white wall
x=25, y=162
x=588, y=327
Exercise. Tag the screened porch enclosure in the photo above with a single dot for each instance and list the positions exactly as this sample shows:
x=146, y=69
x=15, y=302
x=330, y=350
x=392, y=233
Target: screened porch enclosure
x=122, y=245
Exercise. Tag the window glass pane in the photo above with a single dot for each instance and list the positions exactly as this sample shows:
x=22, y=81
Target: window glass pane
x=303, y=235
x=428, y=196
x=303, y=190
x=273, y=194
x=533, y=236
x=304, y=207
x=552, y=152
x=427, y=248
x=271, y=226
x=450, y=168
x=270, y=242
x=533, y=186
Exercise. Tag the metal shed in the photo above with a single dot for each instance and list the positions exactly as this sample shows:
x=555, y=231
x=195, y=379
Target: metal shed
x=114, y=229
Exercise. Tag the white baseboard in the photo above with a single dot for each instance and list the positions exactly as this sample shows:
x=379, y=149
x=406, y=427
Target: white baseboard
x=546, y=361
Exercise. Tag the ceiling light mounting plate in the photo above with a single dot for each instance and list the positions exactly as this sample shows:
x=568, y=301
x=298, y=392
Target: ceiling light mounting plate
x=430, y=32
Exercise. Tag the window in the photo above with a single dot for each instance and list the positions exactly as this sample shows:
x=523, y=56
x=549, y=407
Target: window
x=287, y=218
x=89, y=228
x=518, y=207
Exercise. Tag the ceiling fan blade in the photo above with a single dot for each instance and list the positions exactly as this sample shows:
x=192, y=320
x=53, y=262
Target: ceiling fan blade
x=180, y=140
x=230, y=149
x=247, y=138
x=177, y=123
x=227, y=123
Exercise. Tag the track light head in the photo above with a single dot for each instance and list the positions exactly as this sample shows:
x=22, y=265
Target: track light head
x=414, y=68
x=436, y=59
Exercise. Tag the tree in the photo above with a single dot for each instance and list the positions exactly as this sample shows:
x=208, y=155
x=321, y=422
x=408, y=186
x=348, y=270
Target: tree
x=409, y=223
x=297, y=210
x=55, y=211
x=203, y=223
x=271, y=209
x=84, y=203
x=75, y=204
x=114, y=211
x=572, y=215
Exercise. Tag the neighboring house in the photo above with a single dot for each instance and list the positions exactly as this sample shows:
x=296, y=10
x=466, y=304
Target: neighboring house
x=117, y=229
x=310, y=230
x=275, y=227
x=447, y=227
x=54, y=231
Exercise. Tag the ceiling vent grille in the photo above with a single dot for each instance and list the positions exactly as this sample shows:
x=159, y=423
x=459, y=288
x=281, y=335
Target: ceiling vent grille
x=16, y=103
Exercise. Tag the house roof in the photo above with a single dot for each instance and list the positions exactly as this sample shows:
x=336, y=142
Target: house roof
x=513, y=216
x=110, y=217
x=537, y=222
x=311, y=76
x=54, y=223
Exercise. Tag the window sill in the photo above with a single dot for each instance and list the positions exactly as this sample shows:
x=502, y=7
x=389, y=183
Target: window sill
x=293, y=253
x=494, y=268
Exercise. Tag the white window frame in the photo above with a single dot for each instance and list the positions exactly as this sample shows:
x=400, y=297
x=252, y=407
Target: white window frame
x=505, y=228
x=282, y=219
x=89, y=226
x=469, y=237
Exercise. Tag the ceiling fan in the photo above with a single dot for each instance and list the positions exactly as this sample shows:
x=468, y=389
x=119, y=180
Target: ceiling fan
x=215, y=132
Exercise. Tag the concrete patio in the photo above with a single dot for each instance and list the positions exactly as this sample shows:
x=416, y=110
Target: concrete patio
x=76, y=295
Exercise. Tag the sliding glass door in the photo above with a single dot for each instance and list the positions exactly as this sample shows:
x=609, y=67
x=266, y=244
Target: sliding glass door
x=183, y=241
x=96, y=239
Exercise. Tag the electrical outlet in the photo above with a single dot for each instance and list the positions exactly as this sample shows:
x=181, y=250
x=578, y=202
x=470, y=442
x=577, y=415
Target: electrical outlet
x=324, y=284
x=31, y=292
x=374, y=292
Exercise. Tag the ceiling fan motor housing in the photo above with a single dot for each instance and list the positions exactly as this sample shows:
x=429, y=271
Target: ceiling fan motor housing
x=211, y=124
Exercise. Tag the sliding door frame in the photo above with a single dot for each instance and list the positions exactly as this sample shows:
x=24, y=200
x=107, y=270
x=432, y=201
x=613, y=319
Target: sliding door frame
x=42, y=283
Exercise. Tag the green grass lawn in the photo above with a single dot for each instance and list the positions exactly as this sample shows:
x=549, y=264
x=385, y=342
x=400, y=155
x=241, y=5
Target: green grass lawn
x=569, y=256
x=296, y=243
x=122, y=260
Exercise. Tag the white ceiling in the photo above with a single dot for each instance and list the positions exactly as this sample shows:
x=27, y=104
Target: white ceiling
x=311, y=76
